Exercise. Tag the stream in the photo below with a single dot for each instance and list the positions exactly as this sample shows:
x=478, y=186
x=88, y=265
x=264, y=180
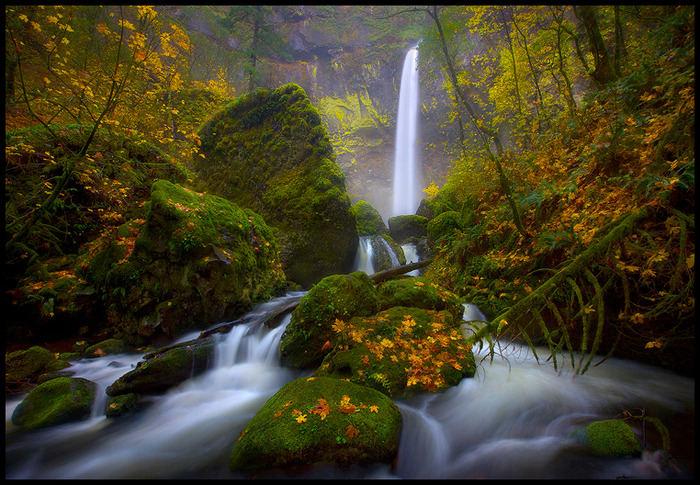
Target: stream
x=512, y=420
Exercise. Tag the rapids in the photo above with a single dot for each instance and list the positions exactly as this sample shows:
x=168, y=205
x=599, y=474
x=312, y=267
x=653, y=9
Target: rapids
x=512, y=420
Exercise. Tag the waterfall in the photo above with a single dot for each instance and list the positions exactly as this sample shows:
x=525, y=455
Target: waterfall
x=392, y=254
x=363, y=260
x=406, y=163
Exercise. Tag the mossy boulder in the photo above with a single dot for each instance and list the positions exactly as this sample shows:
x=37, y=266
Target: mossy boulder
x=443, y=226
x=24, y=368
x=303, y=343
x=405, y=228
x=196, y=260
x=610, y=437
x=369, y=220
x=165, y=368
x=58, y=401
x=400, y=351
x=386, y=253
x=319, y=421
x=106, y=347
x=418, y=292
x=120, y=405
x=268, y=151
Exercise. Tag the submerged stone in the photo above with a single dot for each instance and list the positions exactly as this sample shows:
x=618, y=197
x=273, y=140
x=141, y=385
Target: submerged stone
x=319, y=421
x=58, y=401
x=269, y=151
x=610, y=437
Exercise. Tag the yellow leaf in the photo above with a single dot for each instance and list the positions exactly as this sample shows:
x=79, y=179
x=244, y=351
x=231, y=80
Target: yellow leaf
x=374, y=409
x=690, y=261
x=301, y=418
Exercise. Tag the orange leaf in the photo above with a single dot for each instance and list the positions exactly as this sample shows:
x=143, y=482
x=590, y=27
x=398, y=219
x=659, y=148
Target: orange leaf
x=351, y=431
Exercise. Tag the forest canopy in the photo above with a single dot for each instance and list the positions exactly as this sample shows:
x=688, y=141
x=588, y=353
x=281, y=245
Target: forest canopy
x=569, y=133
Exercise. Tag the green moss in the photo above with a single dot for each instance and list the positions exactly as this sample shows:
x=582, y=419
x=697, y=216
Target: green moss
x=269, y=151
x=56, y=401
x=290, y=431
x=369, y=220
x=400, y=351
x=334, y=297
x=418, y=292
x=610, y=437
x=403, y=228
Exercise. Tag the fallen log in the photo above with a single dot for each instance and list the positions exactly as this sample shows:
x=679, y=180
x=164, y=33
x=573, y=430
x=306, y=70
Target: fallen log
x=399, y=270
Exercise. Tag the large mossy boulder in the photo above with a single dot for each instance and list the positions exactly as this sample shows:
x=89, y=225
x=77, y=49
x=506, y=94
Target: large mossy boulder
x=319, y=421
x=400, y=351
x=609, y=437
x=167, y=367
x=268, y=151
x=58, y=401
x=369, y=220
x=303, y=343
x=196, y=260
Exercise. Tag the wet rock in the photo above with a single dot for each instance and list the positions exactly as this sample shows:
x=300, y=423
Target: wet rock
x=310, y=327
x=166, y=367
x=120, y=405
x=403, y=228
x=319, y=420
x=57, y=401
x=610, y=437
x=106, y=347
x=24, y=368
x=400, y=351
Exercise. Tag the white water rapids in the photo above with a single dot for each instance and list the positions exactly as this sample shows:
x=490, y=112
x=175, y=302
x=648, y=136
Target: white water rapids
x=512, y=420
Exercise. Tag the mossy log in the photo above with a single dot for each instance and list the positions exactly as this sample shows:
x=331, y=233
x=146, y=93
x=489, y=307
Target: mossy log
x=399, y=270
x=623, y=226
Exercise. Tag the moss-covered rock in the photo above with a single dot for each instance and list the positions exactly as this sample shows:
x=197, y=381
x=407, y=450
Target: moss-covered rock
x=58, y=401
x=24, y=368
x=405, y=228
x=268, y=150
x=418, y=292
x=610, y=437
x=196, y=260
x=106, y=347
x=386, y=253
x=400, y=351
x=442, y=227
x=166, y=367
x=303, y=343
x=120, y=405
x=369, y=220
x=319, y=420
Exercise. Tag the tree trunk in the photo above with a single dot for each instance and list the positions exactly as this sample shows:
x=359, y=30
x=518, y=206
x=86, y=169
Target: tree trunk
x=603, y=70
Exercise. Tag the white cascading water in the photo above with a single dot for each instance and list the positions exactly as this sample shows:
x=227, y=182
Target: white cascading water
x=407, y=183
x=363, y=260
x=514, y=419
